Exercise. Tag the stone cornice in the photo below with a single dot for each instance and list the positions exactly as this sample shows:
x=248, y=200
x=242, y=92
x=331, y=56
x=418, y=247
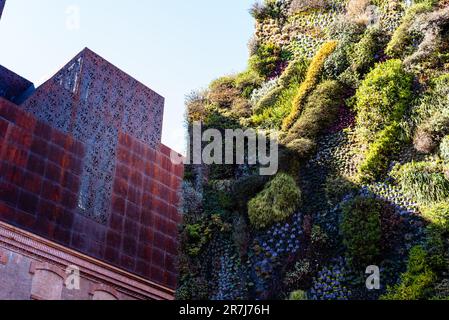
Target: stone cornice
x=44, y=250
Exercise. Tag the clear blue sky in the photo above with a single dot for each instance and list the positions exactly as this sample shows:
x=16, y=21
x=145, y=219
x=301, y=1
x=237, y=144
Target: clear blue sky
x=172, y=46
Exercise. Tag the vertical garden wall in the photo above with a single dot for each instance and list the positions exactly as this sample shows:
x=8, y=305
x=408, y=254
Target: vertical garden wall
x=358, y=94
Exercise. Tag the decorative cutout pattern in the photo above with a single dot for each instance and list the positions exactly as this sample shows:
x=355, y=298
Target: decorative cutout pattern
x=93, y=100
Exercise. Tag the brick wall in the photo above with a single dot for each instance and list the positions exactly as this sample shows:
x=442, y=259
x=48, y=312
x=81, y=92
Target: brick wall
x=41, y=173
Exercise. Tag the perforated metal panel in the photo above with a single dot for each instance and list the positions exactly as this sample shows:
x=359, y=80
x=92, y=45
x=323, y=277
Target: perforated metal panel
x=94, y=100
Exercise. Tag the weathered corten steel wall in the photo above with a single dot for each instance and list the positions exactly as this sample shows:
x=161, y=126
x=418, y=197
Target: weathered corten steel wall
x=82, y=164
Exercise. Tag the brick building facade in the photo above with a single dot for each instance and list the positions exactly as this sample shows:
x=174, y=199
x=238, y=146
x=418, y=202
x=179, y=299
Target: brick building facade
x=85, y=182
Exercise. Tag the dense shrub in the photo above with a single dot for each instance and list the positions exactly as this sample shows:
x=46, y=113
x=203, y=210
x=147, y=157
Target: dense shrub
x=336, y=188
x=220, y=118
x=222, y=92
x=293, y=75
x=230, y=92
x=246, y=188
x=267, y=59
x=361, y=229
x=356, y=56
x=401, y=43
x=417, y=282
x=261, y=93
x=392, y=226
x=379, y=153
x=437, y=247
x=272, y=117
x=367, y=51
x=430, y=56
x=431, y=131
x=266, y=10
x=339, y=60
x=246, y=82
x=320, y=111
x=424, y=141
x=276, y=202
x=431, y=117
x=302, y=147
x=196, y=236
x=356, y=11
x=438, y=214
x=382, y=98
x=298, y=6
x=343, y=29
x=424, y=181
x=312, y=78
x=444, y=149
x=291, y=158
x=196, y=105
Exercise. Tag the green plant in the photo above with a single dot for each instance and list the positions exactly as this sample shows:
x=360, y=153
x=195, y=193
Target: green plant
x=382, y=97
x=436, y=247
x=266, y=10
x=320, y=110
x=302, y=147
x=246, y=82
x=361, y=229
x=431, y=117
x=318, y=239
x=339, y=60
x=276, y=202
x=424, y=181
x=291, y=157
x=379, y=153
x=437, y=214
x=358, y=57
x=416, y=283
x=191, y=200
x=431, y=131
x=231, y=92
x=356, y=11
x=192, y=287
x=367, y=51
x=292, y=76
x=429, y=54
x=246, y=188
x=271, y=117
x=222, y=92
x=401, y=43
x=197, y=235
x=196, y=103
x=312, y=78
x=298, y=295
x=336, y=188
x=444, y=149
x=267, y=59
